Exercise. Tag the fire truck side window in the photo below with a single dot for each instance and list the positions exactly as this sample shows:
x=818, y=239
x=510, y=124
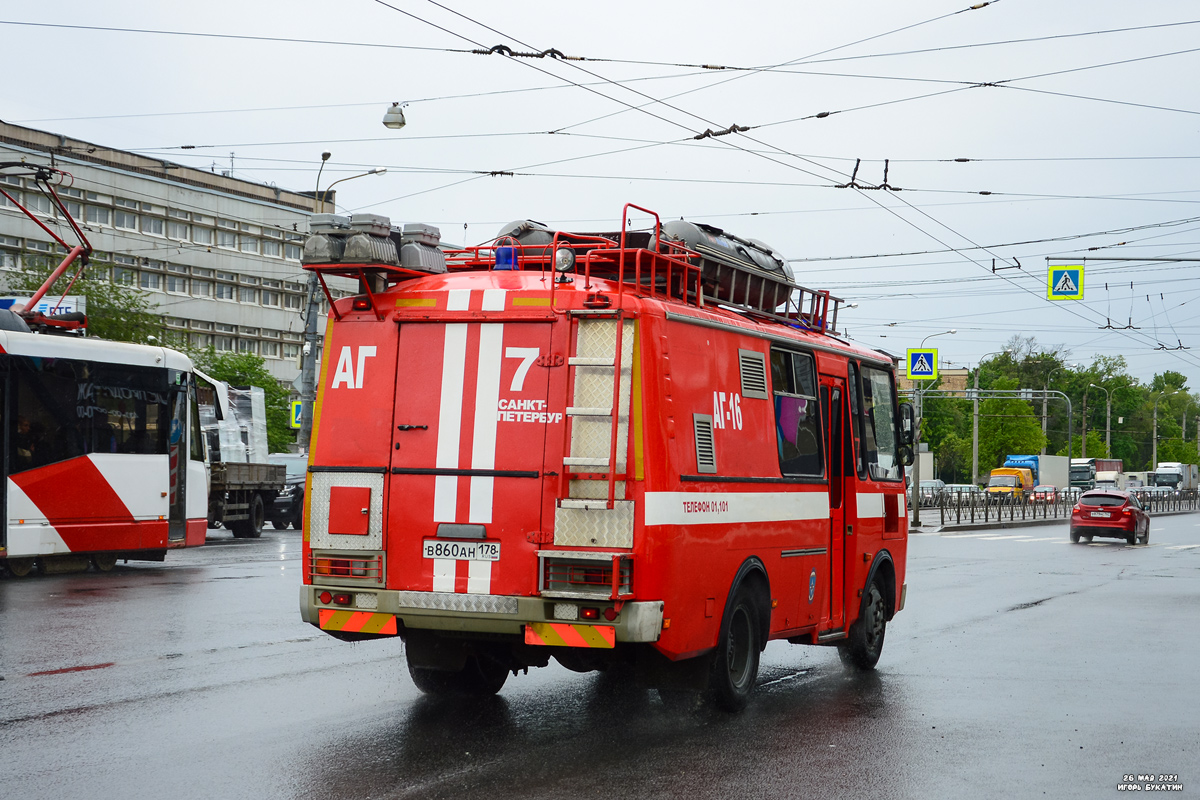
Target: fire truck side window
x=879, y=438
x=66, y=408
x=797, y=425
x=855, y=426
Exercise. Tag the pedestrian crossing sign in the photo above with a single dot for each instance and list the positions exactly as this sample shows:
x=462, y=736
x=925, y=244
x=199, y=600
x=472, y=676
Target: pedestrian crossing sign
x=296, y=406
x=1065, y=283
x=922, y=364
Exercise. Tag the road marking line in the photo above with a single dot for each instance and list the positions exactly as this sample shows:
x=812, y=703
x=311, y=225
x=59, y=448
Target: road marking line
x=1183, y=546
x=996, y=538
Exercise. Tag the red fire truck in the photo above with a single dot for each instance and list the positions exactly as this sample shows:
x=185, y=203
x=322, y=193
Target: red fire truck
x=645, y=449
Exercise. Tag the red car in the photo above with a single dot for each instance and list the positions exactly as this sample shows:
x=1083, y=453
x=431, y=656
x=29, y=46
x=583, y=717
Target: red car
x=1110, y=512
x=1045, y=493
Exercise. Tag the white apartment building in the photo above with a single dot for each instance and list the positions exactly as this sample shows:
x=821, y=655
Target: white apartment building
x=219, y=256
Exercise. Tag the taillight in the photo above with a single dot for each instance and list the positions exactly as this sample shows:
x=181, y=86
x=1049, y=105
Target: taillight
x=342, y=599
x=589, y=613
x=332, y=566
x=361, y=304
x=326, y=598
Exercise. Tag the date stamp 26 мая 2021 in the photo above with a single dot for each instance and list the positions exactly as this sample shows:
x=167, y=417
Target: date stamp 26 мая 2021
x=1152, y=782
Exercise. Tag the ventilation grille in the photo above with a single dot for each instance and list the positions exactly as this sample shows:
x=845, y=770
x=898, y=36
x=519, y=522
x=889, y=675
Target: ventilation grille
x=706, y=450
x=754, y=374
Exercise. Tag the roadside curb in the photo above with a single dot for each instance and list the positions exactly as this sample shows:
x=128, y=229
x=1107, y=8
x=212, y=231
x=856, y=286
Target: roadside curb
x=950, y=529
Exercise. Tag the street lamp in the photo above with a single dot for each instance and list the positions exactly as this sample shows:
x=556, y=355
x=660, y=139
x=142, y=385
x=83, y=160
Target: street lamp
x=371, y=171
x=1045, y=417
x=975, y=417
x=1107, y=416
x=916, y=473
x=1154, y=444
x=394, y=118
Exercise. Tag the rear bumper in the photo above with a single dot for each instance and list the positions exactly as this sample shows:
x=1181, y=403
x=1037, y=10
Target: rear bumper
x=482, y=613
x=1119, y=528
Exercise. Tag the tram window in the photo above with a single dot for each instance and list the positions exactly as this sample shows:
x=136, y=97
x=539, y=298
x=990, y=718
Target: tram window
x=66, y=408
x=879, y=435
x=797, y=426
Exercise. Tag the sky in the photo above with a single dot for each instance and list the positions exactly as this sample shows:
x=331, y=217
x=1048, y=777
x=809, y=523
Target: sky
x=1079, y=120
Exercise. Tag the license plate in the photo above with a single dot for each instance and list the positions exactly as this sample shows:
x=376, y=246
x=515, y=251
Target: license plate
x=1103, y=514
x=461, y=551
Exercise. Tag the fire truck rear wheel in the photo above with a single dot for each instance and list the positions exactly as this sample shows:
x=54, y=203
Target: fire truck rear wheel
x=251, y=528
x=862, y=648
x=735, y=663
x=479, y=677
x=19, y=567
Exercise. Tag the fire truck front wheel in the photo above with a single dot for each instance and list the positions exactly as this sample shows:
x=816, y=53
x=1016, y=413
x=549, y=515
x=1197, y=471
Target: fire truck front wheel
x=735, y=663
x=862, y=648
x=479, y=677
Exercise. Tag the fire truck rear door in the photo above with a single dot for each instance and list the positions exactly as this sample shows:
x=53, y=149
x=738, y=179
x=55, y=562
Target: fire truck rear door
x=466, y=465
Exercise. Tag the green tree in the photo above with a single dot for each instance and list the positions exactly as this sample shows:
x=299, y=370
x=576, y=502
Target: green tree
x=247, y=369
x=1095, y=446
x=119, y=313
x=954, y=458
x=1007, y=426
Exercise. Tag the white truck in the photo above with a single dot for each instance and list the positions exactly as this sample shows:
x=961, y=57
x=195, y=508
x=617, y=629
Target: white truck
x=1110, y=480
x=1177, y=475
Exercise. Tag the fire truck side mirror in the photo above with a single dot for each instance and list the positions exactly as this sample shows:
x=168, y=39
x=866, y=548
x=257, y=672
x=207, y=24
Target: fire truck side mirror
x=905, y=454
x=907, y=425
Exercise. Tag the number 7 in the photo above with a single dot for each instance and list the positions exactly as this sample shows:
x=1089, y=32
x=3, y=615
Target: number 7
x=527, y=355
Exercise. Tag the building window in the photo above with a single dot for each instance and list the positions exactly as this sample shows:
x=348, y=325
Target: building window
x=270, y=349
x=293, y=301
x=247, y=346
x=151, y=281
x=249, y=244
x=224, y=344
x=224, y=291
x=227, y=276
x=202, y=235
x=123, y=276
x=225, y=327
x=249, y=331
x=176, y=322
x=202, y=340
x=177, y=230
x=201, y=325
x=38, y=203
x=8, y=259
x=247, y=294
x=202, y=288
x=6, y=203
x=125, y=220
x=177, y=284
x=153, y=226
x=270, y=298
x=177, y=214
x=291, y=351
x=250, y=280
x=121, y=202
x=97, y=215
x=273, y=249
x=227, y=240
x=179, y=268
x=75, y=210
x=200, y=272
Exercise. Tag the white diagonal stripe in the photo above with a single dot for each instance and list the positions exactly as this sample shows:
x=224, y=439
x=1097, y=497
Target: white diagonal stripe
x=487, y=398
x=479, y=577
x=445, y=490
x=443, y=574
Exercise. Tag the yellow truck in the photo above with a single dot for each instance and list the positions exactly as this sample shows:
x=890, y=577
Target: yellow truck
x=1009, y=484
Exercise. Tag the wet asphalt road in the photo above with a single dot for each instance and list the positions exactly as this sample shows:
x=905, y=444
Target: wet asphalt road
x=1023, y=666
